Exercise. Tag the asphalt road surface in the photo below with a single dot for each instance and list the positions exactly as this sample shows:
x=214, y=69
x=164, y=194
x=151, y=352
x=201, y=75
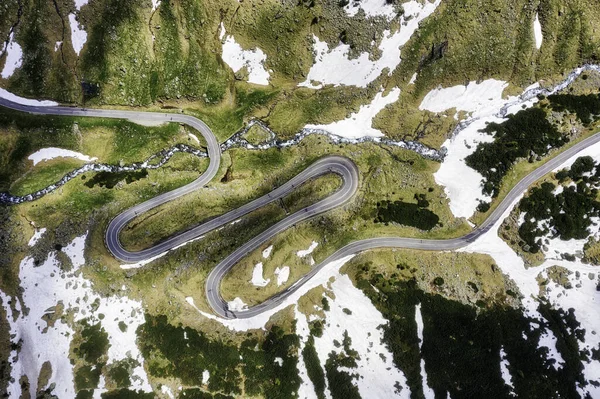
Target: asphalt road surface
x=342, y=166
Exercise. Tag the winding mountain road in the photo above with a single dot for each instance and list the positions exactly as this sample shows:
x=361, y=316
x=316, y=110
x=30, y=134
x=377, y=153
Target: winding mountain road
x=342, y=166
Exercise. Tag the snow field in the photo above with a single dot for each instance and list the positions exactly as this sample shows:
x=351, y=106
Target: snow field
x=36, y=236
x=46, y=154
x=537, y=32
x=377, y=374
x=44, y=288
x=362, y=70
x=237, y=58
x=78, y=34
x=583, y=298
x=14, y=57
x=359, y=124
x=308, y=251
x=257, y=276
x=25, y=101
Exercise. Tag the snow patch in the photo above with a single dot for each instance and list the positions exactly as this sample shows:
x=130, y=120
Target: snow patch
x=359, y=124
x=237, y=58
x=237, y=305
x=14, y=58
x=167, y=391
x=155, y=4
x=257, y=276
x=78, y=34
x=279, y=361
x=25, y=101
x=205, y=377
x=462, y=184
x=537, y=32
x=506, y=376
x=282, y=275
x=49, y=153
x=81, y=3
x=372, y=8
x=194, y=137
x=413, y=79
x=308, y=251
x=483, y=98
x=267, y=252
x=75, y=251
x=36, y=236
x=360, y=71
x=259, y=321
x=427, y=391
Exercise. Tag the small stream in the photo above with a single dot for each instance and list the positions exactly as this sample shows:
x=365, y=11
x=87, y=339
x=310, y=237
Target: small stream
x=238, y=141
x=162, y=157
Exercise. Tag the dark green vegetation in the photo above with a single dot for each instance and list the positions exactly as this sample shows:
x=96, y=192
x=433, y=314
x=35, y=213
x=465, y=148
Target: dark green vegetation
x=339, y=381
x=408, y=214
x=586, y=107
x=109, y=179
x=91, y=348
x=313, y=367
x=196, y=393
x=461, y=344
x=127, y=394
x=568, y=212
x=231, y=367
x=526, y=134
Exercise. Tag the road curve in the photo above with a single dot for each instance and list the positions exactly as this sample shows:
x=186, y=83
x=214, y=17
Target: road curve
x=330, y=164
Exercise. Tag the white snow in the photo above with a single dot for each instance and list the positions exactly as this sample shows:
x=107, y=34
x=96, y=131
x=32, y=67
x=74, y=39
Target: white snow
x=43, y=288
x=377, y=374
x=359, y=124
x=267, y=252
x=49, y=153
x=259, y=321
x=548, y=340
x=25, y=101
x=205, y=377
x=583, y=298
x=78, y=34
x=332, y=66
x=307, y=388
x=372, y=8
x=237, y=305
x=57, y=46
x=413, y=79
x=257, y=276
x=282, y=275
x=36, y=236
x=537, y=32
x=167, y=391
x=308, y=251
x=483, y=98
x=127, y=266
x=237, y=58
x=461, y=183
x=155, y=4
x=75, y=251
x=279, y=361
x=427, y=391
x=14, y=58
x=506, y=376
x=194, y=137
x=81, y=3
